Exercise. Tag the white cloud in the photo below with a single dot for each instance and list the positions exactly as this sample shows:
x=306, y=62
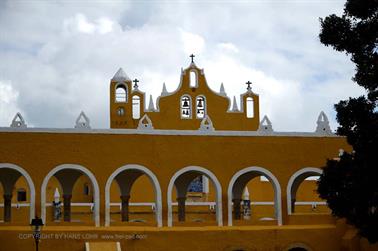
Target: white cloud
x=105, y=25
x=8, y=102
x=80, y=23
x=83, y=25
x=193, y=43
x=280, y=99
x=228, y=47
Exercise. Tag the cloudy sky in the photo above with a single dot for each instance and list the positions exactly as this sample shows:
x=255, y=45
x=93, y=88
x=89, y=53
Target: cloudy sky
x=57, y=57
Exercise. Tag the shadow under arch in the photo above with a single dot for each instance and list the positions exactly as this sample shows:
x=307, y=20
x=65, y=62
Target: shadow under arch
x=152, y=178
x=30, y=184
x=254, y=171
x=213, y=179
x=297, y=247
x=294, y=182
x=84, y=171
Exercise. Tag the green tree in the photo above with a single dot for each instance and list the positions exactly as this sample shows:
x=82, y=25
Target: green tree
x=350, y=185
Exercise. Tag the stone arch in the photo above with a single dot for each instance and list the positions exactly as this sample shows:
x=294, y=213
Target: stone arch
x=209, y=175
x=30, y=184
x=294, y=182
x=152, y=178
x=85, y=171
x=250, y=173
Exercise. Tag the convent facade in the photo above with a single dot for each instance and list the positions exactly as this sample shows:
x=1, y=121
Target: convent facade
x=194, y=171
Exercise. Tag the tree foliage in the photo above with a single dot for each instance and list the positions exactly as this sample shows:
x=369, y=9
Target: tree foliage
x=350, y=184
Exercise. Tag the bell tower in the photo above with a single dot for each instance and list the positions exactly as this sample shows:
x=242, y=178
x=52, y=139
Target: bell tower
x=120, y=101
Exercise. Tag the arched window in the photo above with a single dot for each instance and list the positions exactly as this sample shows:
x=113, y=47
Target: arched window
x=136, y=107
x=249, y=104
x=121, y=93
x=21, y=194
x=200, y=107
x=121, y=111
x=193, y=79
x=186, y=107
x=196, y=185
x=86, y=190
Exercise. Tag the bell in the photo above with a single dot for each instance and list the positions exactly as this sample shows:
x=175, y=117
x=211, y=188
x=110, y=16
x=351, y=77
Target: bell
x=187, y=112
x=200, y=103
x=185, y=103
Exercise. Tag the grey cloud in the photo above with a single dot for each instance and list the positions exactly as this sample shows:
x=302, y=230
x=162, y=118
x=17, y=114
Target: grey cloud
x=138, y=14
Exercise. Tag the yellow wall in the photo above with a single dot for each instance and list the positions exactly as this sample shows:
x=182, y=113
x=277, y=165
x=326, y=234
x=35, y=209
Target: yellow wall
x=318, y=238
x=104, y=153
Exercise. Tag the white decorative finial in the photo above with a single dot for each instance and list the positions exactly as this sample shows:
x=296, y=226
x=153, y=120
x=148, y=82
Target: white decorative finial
x=121, y=76
x=323, y=125
x=246, y=194
x=164, y=92
x=222, y=91
x=235, y=106
x=151, y=106
x=265, y=125
x=145, y=123
x=82, y=122
x=56, y=196
x=206, y=124
x=18, y=121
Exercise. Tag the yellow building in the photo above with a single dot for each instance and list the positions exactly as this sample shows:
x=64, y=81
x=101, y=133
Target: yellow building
x=194, y=172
